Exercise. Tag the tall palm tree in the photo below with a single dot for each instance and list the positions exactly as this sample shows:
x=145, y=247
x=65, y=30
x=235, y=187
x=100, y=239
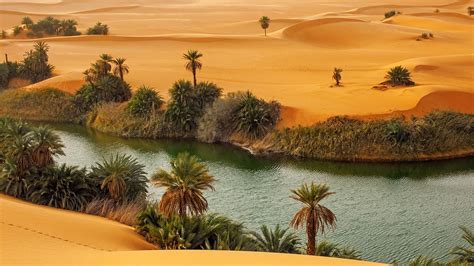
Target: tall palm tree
x=120, y=67
x=313, y=215
x=104, y=63
x=264, y=23
x=46, y=145
x=278, y=240
x=337, y=75
x=184, y=186
x=193, y=64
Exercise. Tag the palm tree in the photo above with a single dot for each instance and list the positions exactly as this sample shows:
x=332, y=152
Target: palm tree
x=122, y=177
x=277, y=240
x=46, y=145
x=465, y=254
x=313, y=215
x=104, y=63
x=399, y=76
x=184, y=186
x=337, y=75
x=264, y=23
x=193, y=63
x=120, y=67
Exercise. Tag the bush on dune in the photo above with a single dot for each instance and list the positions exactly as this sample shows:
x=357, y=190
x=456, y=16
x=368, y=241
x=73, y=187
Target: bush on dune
x=124, y=212
x=98, y=29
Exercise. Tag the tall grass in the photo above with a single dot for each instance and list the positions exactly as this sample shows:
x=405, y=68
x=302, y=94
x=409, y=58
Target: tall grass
x=342, y=138
x=42, y=105
x=123, y=212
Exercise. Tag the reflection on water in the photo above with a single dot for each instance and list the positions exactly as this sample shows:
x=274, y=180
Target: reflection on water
x=387, y=211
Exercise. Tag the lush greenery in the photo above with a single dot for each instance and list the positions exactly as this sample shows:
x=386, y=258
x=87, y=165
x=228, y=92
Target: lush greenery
x=144, y=102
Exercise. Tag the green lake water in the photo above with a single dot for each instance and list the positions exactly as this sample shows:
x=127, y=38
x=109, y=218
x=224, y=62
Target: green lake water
x=389, y=211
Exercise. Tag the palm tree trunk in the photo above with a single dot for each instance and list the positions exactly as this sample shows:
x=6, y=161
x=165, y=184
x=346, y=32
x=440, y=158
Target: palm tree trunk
x=121, y=73
x=310, y=232
x=194, y=77
x=265, y=32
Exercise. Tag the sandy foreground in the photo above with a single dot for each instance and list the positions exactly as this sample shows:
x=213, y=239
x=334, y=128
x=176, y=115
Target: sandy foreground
x=293, y=65
x=36, y=235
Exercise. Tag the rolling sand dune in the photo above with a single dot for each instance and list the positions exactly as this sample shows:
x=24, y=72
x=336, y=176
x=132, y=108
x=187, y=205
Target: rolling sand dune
x=64, y=237
x=293, y=65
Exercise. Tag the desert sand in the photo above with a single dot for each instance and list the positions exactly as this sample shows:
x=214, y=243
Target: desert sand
x=37, y=235
x=293, y=64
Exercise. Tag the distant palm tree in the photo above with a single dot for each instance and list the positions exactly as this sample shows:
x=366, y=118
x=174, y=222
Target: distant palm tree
x=46, y=145
x=313, y=215
x=104, y=63
x=184, y=186
x=193, y=64
x=264, y=23
x=278, y=240
x=120, y=67
x=337, y=75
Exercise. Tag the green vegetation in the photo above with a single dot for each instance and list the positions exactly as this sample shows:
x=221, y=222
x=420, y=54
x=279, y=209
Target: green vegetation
x=98, y=29
x=264, y=23
x=192, y=63
x=184, y=186
x=277, y=240
x=48, y=26
x=120, y=68
x=343, y=138
x=465, y=254
x=35, y=66
x=121, y=178
x=336, y=75
x=314, y=216
x=254, y=117
x=144, y=102
x=329, y=249
x=399, y=76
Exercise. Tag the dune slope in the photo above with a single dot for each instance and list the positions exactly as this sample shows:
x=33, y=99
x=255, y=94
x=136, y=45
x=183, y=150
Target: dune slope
x=37, y=235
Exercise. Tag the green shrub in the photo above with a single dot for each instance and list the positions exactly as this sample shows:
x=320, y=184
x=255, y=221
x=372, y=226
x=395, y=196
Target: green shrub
x=65, y=187
x=254, y=117
x=35, y=66
x=209, y=231
x=207, y=93
x=98, y=29
x=144, y=102
x=183, y=107
x=399, y=76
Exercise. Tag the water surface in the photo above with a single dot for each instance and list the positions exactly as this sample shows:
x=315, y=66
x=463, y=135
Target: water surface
x=388, y=211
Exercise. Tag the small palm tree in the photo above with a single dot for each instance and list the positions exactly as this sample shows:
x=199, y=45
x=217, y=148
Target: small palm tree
x=184, y=186
x=120, y=67
x=337, y=75
x=399, y=76
x=465, y=254
x=193, y=64
x=278, y=240
x=313, y=215
x=122, y=176
x=264, y=23
x=46, y=145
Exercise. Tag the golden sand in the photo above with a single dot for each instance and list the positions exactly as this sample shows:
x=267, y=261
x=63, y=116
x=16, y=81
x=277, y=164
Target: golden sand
x=293, y=65
x=37, y=235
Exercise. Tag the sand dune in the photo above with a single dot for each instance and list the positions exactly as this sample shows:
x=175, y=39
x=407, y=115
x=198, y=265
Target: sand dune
x=63, y=237
x=293, y=65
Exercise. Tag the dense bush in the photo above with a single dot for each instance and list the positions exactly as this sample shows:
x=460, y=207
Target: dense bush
x=107, y=89
x=49, y=26
x=98, y=29
x=35, y=66
x=209, y=231
x=343, y=138
x=391, y=13
x=144, y=102
x=65, y=187
x=399, y=76
x=124, y=212
x=254, y=117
